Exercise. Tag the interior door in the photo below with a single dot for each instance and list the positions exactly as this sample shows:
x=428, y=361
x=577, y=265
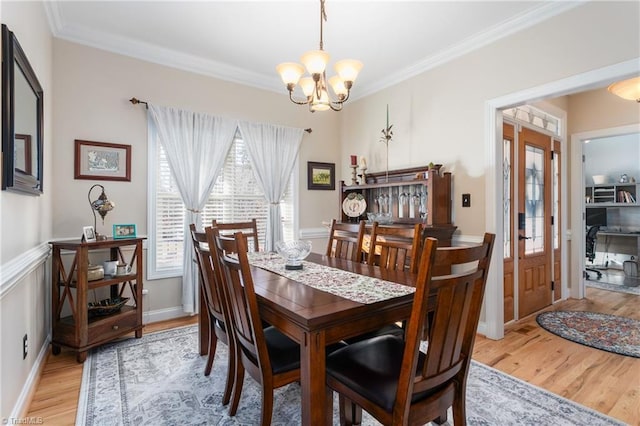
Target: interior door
x=535, y=245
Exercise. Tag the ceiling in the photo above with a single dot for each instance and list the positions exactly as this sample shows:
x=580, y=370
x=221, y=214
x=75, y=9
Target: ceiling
x=243, y=41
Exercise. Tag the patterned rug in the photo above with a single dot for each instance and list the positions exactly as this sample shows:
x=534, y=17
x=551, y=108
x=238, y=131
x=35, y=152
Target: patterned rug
x=609, y=333
x=158, y=380
x=630, y=286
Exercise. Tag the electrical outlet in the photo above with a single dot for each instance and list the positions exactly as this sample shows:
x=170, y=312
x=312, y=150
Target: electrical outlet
x=466, y=200
x=25, y=347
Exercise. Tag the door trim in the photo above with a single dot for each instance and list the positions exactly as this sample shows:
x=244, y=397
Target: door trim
x=577, y=199
x=494, y=315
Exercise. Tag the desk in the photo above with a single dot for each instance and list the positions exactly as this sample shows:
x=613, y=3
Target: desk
x=635, y=235
x=315, y=319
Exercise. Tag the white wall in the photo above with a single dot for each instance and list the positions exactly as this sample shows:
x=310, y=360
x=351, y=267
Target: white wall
x=25, y=227
x=612, y=156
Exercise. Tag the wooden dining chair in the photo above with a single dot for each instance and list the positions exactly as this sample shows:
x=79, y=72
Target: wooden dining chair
x=249, y=228
x=269, y=356
x=396, y=245
x=345, y=240
x=211, y=287
x=391, y=378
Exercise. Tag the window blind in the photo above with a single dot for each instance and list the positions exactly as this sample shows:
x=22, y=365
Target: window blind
x=235, y=197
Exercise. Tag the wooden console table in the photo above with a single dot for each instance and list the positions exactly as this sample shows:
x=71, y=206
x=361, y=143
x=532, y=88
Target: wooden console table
x=78, y=331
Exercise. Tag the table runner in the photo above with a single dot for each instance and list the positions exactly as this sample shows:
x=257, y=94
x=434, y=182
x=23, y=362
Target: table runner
x=355, y=287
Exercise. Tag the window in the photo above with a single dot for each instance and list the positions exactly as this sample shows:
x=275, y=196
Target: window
x=235, y=197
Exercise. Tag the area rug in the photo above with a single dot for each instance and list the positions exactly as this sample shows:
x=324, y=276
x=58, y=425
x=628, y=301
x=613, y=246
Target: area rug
x=158, y=380
x=630, y=286
x=609, y=333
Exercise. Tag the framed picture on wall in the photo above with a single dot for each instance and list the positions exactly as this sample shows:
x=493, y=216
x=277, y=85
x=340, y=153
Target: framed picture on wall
x=102, y=161
x=321, y=175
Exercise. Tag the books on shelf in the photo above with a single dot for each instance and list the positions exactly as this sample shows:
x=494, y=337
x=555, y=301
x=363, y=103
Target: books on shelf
x=625, y=197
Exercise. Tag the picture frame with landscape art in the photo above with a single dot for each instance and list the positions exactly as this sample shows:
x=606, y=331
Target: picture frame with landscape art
x=321, y=175
x=102, y=161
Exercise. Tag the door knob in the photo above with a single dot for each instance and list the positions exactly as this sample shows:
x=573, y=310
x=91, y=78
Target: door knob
x=522, y=237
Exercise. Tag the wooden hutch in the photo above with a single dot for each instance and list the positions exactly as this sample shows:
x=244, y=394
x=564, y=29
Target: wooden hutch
x=410, y=196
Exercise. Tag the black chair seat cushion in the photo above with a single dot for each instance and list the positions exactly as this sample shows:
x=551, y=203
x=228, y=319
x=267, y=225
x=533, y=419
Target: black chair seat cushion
x=284, y=353
x=391, y=329
x=371, y=368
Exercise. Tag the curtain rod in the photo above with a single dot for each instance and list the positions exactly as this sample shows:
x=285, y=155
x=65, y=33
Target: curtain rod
x=137, y=101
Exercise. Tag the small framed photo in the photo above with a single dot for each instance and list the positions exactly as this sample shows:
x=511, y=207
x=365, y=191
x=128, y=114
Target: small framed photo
x=89, y=234
x=321, y=175
x=124, y=231
x=102, y=161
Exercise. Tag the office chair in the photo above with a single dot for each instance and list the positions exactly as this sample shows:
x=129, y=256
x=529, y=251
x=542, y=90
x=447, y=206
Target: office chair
x=591, y=250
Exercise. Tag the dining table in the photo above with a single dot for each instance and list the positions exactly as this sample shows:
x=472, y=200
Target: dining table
x=316, y=316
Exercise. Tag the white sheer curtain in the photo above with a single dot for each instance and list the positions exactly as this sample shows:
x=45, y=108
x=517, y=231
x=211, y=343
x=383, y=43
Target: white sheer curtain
x=273, y=151
x=196, y=145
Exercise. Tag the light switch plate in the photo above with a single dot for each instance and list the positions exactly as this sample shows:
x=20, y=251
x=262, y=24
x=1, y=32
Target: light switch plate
x=466, y=200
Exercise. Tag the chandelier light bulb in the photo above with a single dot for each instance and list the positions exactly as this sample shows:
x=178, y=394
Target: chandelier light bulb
x=290, y=72
x=337, y=84
x=315, y=61
x=348, y=69
x=308, y=86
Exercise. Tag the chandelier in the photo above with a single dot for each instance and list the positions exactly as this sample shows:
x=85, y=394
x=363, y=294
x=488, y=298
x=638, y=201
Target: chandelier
x=627, y=89
x=315, y=87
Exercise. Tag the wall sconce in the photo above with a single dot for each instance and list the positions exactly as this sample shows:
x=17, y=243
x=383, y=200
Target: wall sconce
x=102, y=205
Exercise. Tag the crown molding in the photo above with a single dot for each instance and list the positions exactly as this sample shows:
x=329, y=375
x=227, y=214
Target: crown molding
x=497, y=32
x=176, y=59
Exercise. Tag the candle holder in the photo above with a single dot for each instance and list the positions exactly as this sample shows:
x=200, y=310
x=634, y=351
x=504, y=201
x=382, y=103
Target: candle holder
x=354, y=174
x=363, y=176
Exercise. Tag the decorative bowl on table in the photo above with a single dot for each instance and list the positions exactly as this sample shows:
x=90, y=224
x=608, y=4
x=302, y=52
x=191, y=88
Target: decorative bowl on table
x=293, y=252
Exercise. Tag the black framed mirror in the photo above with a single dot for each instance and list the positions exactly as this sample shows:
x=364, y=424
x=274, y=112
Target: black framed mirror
x=22, y=122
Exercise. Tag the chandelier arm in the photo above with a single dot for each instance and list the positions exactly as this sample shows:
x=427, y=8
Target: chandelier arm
x=295, y=101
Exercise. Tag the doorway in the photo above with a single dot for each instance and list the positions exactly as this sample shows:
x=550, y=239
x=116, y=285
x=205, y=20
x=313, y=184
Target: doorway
x=493, y=325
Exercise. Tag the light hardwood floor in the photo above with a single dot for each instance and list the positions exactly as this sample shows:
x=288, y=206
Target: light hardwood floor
x=605, y=382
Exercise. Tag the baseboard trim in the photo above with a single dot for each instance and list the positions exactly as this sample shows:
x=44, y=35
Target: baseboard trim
x=21, y=407
x=163, y=314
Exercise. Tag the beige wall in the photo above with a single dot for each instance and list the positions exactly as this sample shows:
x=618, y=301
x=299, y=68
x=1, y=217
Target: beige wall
x=93, y=88
x=439, y=115
x=25, y=225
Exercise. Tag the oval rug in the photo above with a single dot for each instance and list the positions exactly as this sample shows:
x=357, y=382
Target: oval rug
x=609, y=333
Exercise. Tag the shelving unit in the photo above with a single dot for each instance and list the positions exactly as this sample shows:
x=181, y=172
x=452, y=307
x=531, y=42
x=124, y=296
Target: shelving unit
x=620, y=194
x=78, y=331
x=414, y=195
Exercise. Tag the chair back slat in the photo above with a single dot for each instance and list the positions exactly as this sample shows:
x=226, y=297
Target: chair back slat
x=397, y=247
x=345, y=240
x=249, y=228
x=244, y=316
